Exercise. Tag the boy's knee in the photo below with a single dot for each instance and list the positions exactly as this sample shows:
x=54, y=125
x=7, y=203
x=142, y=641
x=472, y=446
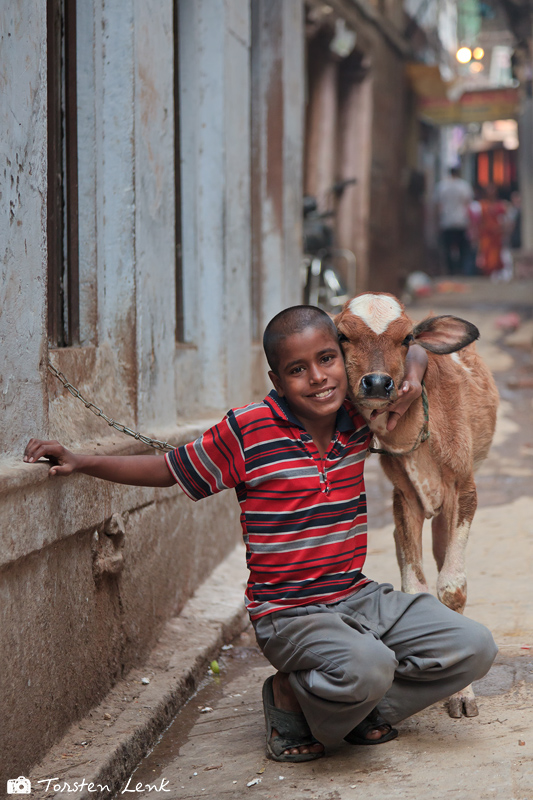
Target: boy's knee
x=482, y=648
x=487, y=648
x=357, y=679
x=370, y=682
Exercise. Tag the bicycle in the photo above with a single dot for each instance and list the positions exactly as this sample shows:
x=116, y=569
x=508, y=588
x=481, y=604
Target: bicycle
x=323, y=285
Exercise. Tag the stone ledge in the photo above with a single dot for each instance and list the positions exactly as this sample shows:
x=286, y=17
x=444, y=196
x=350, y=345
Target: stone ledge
x=121, y=730
x=15, y=474
x=36, y=511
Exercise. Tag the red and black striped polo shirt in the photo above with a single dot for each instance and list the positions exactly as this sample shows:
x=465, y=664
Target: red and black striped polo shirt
x=303, y=517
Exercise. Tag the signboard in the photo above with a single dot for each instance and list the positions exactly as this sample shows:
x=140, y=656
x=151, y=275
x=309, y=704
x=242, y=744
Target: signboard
x=474, y=106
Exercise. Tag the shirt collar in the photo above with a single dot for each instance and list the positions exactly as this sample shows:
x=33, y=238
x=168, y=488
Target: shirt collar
x=282, y=410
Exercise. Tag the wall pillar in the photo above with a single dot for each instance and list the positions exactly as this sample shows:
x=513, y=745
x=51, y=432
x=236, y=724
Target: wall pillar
x=321, y=155
x=277, y=129
x=355, y=159
x=215, y=147
x=155, y=212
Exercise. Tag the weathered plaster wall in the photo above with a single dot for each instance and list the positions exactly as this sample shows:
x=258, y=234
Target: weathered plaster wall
x=155, y=286
x=81, y=601
x=22, y=221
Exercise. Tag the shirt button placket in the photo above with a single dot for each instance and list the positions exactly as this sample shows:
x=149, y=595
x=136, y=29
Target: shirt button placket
x=324, y=482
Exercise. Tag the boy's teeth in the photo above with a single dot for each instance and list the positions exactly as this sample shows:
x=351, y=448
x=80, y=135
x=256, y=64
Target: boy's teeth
x=323, y=394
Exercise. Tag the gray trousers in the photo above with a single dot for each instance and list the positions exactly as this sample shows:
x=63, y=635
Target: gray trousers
x=380, y=647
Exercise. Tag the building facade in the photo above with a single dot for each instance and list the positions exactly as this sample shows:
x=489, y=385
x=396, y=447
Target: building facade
x=151, y=184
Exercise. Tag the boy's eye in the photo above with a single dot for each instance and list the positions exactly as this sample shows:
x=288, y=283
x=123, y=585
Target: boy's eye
x=296, y=370
x=325, y=359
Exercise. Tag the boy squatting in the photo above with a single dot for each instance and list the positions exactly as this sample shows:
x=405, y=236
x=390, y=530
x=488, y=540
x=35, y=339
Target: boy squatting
x=353, y=657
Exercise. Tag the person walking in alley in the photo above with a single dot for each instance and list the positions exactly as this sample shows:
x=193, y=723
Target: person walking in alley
x=492, y=227
x=453, y=196
x=353, y=657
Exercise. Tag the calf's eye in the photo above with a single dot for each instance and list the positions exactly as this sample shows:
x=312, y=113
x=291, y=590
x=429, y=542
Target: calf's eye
x=407, y=341
x=342, y=337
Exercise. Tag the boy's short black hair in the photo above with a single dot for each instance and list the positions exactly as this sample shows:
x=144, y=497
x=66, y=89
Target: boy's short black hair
x=289, y=321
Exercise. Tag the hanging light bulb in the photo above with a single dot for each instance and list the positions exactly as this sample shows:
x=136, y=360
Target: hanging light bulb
x=464, y=55
x=478, y=53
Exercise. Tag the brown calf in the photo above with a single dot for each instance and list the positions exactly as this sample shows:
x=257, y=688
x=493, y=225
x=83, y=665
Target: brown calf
x=433, y=476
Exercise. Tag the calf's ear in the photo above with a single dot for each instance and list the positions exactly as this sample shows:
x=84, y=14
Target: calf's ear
x=444, y=334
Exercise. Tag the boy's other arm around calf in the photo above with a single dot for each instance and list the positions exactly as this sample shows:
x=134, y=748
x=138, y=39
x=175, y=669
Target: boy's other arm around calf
x=130, y=470
x=411, y=388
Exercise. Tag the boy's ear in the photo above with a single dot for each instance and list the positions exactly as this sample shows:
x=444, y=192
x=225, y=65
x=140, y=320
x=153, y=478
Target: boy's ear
x=277, y=383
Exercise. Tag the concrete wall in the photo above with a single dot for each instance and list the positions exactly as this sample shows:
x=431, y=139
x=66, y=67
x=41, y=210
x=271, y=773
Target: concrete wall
x=89, y=571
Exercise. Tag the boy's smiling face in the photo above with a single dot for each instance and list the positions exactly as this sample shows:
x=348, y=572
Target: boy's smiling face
x=311, y=375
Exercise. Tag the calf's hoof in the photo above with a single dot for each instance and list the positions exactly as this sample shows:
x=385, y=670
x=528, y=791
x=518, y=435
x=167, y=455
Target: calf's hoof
x=453, y=596
x=463, y=704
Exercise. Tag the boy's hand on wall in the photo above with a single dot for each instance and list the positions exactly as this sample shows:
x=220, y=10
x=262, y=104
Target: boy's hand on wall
x=63, y=462
x=130, y=470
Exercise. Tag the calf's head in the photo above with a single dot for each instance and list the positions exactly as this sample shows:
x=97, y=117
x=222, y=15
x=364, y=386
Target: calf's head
x=375, y=335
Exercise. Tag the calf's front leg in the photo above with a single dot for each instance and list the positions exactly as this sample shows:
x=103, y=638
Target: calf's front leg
x=408, y=522
x=450, y=536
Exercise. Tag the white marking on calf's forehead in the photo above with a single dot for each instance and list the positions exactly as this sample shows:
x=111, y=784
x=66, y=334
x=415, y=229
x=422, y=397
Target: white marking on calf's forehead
x=376, y=311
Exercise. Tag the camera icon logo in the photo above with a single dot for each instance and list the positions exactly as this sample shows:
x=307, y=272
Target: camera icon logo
x=19, y=785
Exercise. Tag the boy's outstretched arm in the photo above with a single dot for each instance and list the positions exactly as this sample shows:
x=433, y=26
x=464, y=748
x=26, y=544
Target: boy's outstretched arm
x=411, y=388
x=131, y=470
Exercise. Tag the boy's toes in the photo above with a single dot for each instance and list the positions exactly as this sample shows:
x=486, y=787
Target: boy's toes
x=304, y=748
x=377, y=733
x=372, y=730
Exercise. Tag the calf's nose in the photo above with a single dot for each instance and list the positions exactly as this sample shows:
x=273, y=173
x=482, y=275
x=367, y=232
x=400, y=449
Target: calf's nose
x=376, y=384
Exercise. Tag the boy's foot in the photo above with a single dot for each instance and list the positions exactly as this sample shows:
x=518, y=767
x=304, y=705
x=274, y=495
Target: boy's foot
x=280, y=703
x=285, y=699
x=288, y=735
x=372, y=730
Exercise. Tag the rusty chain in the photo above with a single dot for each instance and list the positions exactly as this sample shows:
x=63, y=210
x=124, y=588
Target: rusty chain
x=155, y=443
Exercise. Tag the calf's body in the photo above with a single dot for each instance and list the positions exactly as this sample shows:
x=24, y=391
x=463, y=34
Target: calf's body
x=432, y=476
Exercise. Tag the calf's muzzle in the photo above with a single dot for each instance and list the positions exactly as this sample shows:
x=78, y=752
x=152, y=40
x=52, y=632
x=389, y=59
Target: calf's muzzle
x=377, y=385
